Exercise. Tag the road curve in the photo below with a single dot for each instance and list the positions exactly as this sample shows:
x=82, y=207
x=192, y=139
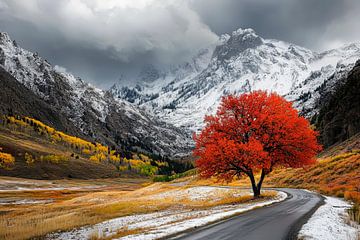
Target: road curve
x=279, y=221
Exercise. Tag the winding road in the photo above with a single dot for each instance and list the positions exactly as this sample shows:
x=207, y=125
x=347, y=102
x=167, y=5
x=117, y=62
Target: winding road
x=278, y=221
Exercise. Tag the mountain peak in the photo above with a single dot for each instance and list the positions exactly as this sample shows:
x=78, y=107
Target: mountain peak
x=239, y=41
x=6, y=41
x=4, y=37
x=244, y=31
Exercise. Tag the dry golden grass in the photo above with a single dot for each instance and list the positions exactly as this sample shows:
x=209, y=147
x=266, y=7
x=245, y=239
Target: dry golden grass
x=338, y=175
x=26, y=142
x=75, y=208
x=71, y=208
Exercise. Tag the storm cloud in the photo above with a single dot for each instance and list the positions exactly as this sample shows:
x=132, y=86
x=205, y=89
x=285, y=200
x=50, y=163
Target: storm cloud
x=316, y=24
x=101, y=40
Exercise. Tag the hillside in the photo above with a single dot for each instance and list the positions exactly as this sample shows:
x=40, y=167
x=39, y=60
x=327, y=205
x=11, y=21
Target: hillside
x=339, y=117
x=79, y=107
x=42, y=152
x=18, y=144
x=16, y=99
x=335, y=173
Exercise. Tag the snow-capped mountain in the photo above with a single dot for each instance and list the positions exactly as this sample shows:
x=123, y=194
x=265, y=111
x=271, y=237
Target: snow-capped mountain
x=181, y=95
x=150, y=81
x=94, y=112
x=241, y=62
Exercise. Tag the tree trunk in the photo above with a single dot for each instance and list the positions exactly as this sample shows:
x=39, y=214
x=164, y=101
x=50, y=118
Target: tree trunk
x=263, y=173
x=257, y=187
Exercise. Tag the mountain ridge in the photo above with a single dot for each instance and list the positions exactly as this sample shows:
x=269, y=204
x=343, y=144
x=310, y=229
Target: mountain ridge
x=241, y=62
x=92, y=111
x=182, y=95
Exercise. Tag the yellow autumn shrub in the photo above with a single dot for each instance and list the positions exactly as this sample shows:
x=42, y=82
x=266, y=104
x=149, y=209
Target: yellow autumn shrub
x=115, y=158
x=86, y=151
x=6, y=160
x=98, y=157
x=29, y=159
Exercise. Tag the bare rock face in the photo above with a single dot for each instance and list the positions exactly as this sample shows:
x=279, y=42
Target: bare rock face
x=339, y=116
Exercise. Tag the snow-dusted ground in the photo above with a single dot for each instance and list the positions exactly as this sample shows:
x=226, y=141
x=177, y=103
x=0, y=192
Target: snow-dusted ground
x=201, y=193
x=34, y=185
x=15, y=201
x=164, y=223
x=329, y=222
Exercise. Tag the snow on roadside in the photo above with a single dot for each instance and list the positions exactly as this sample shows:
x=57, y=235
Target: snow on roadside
x=163, y=223
x=329, y=222
x=212, y=215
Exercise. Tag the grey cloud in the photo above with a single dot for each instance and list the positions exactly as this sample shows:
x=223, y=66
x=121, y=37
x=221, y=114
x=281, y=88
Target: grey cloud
x=101, y=40
x=309, y=23
x=104, y=39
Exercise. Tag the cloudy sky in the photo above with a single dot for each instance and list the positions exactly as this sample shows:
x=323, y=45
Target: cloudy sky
x=102, y=40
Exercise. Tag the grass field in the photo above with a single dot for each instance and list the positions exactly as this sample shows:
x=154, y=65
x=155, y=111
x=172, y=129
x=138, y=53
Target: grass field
x=70, y=203
x=32, y=208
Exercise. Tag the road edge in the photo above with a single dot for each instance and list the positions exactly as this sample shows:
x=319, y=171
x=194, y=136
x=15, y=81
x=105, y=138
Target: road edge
x=178, y=235
x=296, y=227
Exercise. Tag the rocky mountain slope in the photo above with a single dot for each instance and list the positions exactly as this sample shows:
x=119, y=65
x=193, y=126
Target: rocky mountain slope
x=17, y=99
x=242, y=61
x=82, y=108
x=339, y=104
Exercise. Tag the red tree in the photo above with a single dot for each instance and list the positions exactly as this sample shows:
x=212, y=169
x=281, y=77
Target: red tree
x=251, y=133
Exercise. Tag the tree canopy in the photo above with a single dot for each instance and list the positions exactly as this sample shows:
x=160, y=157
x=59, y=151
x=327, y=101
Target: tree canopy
x=254, y=132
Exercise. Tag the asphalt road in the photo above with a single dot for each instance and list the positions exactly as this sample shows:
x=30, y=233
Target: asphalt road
x=279, y=221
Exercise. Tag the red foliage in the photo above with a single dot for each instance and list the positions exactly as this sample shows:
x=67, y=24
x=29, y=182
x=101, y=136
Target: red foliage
x=252, y=132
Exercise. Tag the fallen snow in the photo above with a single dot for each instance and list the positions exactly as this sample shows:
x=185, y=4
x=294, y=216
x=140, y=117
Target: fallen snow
x=21, y=189
x=163, y=223
x=19, y=185
x=15, y=201
x=329, y=222
x=201, y=193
